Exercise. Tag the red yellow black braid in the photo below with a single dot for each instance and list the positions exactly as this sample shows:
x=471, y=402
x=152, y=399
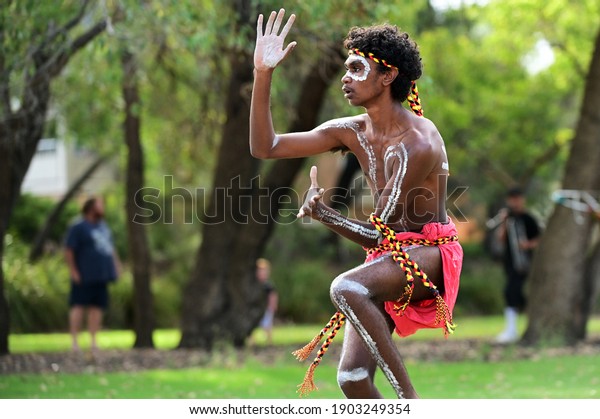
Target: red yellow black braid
x=371, y=56
x=303, y=353
x=414, y=101
x=413, y=96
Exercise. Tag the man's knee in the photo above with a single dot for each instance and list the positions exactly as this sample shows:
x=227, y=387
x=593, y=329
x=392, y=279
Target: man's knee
x=353, y=381
x=345, y=287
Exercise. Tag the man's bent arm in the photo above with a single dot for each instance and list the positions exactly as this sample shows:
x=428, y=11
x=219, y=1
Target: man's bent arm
x=268, y=53
x=266, y=144
x=360, y=232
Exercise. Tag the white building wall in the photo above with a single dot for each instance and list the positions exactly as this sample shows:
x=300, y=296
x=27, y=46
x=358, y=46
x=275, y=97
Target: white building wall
x=47, y=174
x=56, y=165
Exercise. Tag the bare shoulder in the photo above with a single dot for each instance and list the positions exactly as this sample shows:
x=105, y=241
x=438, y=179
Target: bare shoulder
x=422, y=137
x=345, y=130
x=426, y=144
x=421, y=142
x=352, y=123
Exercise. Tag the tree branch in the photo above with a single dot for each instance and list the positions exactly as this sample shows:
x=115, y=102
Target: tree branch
x=51, y=66
x=60, y=60
x=4, y=86
x=579, y=69
x=63, y=29
x=540, y=160
x=4, y=77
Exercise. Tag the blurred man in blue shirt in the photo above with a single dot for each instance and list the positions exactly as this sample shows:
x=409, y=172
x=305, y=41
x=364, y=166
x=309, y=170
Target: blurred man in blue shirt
x=93, y=264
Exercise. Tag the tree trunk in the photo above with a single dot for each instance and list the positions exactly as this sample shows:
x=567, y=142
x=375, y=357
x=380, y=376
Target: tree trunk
x=40, y=239
x=590, y=293
x=557, y=312
x=21, y=130
x=4, y=311
x=223, y=300
x=139, y=250
x=19, y=136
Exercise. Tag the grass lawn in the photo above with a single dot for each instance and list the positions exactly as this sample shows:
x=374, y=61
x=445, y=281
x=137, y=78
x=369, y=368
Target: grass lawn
x=558, y=377
x=468, y=328
x=544, y=377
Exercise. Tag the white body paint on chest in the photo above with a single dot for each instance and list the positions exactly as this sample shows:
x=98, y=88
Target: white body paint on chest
x=400, y=152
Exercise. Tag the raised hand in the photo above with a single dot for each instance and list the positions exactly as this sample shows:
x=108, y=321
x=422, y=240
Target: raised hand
x=313, y=196
x=269, y=51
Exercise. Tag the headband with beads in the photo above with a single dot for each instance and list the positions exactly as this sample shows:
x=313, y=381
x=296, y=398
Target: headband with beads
x=371, y=56
x=413, y=96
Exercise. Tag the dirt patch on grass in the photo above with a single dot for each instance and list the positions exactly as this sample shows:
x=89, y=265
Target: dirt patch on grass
x=144, y=359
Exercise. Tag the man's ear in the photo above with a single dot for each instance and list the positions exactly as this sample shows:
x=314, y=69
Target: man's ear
x=389, y=76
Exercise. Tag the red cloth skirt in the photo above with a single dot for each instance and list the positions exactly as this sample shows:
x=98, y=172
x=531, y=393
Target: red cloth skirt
x=421, y=314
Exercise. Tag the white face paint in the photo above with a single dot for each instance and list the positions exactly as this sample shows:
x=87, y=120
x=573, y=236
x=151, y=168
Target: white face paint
x=359, y=75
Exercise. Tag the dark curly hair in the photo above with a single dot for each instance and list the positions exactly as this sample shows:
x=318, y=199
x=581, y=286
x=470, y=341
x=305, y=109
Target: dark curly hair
x=387, y=43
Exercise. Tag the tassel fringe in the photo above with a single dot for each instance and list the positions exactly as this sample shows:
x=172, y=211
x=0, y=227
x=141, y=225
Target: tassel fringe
x=303, y=353
x=444, y=316
x=308, y=384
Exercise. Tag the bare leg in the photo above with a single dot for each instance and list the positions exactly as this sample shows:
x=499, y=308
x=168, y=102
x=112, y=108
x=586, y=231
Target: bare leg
x=94, y=323
x=356, y=371
x=359, y=295
x=75, y=321
x=269, y=333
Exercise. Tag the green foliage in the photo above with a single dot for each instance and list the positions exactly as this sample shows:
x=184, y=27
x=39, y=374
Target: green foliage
x=500, y=119
x=31, y=212
x=38, y=294
x=27, y=23
x=481, y=284
x=302, y=271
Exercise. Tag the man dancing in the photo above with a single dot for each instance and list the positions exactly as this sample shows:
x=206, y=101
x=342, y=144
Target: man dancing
x=410, y=278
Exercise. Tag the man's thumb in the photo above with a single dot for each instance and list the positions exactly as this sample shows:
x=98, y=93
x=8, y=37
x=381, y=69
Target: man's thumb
x=313, y=177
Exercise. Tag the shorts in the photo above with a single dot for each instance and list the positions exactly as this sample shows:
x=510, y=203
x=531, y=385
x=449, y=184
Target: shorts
x=95, y=295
